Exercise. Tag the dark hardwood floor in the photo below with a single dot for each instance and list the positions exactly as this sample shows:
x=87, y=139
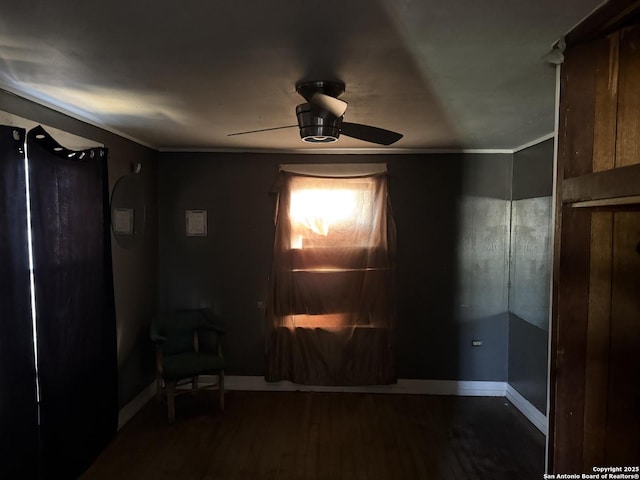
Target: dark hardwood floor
x=278, y=435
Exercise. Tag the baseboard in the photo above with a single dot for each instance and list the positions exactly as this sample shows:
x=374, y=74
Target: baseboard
x=127, y=412
x=406, y=386
x=534, y=415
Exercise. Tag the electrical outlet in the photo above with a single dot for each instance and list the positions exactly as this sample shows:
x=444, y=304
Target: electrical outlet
x=476, y=343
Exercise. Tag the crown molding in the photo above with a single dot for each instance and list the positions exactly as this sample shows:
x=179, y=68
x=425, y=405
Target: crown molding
x=340, y=151
x=75, y=116
x=532, y=143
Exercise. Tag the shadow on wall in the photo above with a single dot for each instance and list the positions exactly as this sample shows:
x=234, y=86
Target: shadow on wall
x=453, y=218
x=530, y=275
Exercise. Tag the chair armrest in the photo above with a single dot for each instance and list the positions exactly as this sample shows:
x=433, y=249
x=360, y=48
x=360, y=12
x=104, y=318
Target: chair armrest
x=214, y=327
x=155, y=334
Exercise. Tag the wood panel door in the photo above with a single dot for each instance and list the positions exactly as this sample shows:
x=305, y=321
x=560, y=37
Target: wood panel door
x=595, y=335
x=596, y=395
x=622, y=445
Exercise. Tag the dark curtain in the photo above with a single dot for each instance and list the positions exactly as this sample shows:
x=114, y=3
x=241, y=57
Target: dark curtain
x=18, y=407
x=330, y=313
x=76, y=328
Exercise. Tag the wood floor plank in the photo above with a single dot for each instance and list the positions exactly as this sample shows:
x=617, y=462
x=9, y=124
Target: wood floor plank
x=326, y=436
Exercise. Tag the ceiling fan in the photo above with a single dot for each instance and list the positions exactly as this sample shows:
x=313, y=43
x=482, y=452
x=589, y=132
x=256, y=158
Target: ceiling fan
x=321, y=118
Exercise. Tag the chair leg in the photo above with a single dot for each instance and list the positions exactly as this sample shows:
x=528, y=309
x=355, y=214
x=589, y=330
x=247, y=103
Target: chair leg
x=171, y=404
x=159, y=387
x=221, y=389
x=194, y=385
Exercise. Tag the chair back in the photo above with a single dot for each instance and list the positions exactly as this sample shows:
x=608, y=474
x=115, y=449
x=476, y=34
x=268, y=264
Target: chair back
x=177, y=328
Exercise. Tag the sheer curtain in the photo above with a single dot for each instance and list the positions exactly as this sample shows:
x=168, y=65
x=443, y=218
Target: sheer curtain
x=330, y=312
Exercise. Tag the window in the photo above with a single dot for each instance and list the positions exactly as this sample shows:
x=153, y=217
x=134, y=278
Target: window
x=326, y=217
x=330, y=308
x=335, y=253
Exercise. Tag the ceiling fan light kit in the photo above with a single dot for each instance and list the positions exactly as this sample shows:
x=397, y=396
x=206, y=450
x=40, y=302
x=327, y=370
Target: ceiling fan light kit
x=317, y=129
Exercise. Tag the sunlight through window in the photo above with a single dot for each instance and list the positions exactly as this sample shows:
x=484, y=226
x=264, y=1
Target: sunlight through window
x=322, y=217
x=32, y=288
x=319, y=209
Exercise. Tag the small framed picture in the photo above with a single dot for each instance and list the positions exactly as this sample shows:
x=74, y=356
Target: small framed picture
x=123, y=221
x=196, y=223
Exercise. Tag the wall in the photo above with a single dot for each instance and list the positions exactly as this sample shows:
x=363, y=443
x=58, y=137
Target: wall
x=452, y=215
x=453, y=219
x=530, y=273
x=135, y=269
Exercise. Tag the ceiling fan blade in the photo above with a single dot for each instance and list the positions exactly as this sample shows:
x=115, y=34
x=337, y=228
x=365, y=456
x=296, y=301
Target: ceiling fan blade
x=261, y=130
x=369, y=133
x=331, y=104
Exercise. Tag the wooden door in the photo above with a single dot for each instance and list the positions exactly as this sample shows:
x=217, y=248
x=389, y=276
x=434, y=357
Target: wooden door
x=595, y=346
x=622, y=445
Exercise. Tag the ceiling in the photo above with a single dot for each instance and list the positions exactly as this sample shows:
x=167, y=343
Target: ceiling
x=462, y=74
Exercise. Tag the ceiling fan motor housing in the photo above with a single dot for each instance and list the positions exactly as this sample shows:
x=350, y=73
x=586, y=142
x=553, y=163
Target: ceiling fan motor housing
x=315, y=128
